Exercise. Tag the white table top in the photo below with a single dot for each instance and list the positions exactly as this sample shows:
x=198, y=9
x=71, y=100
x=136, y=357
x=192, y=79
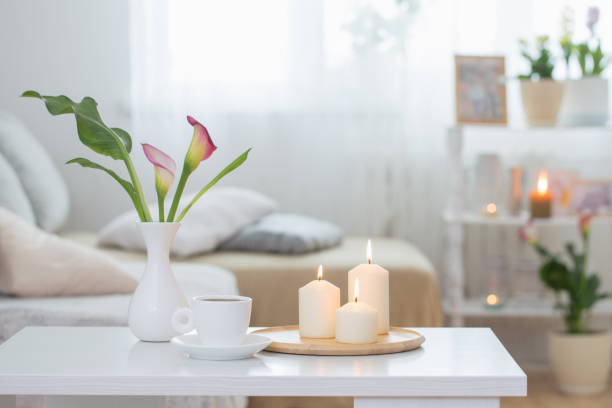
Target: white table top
x=111, y=361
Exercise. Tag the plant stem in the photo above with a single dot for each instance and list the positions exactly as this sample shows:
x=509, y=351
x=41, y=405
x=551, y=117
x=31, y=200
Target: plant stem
x=160, y=206
x=574, y=323
x=229, y=168
x=137, y=186
x=196, y=198
x=144, y=208
x=177, y=195
x=138, y=208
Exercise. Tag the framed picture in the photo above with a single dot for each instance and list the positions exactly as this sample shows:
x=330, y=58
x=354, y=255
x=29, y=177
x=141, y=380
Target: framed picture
x=561, y=183
x=480, y=90
x=594, y=196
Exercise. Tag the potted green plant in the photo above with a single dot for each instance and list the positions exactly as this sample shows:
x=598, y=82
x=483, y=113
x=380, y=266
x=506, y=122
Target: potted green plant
x=580, y=356
x=585, y=102
x=540, y=93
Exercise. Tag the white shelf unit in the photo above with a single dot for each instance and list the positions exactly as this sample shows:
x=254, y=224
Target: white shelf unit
x=456, y=306
x=540, y=308
x=470, y=218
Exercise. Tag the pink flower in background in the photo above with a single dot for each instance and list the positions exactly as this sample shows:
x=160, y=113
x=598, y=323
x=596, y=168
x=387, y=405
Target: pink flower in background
x=528, y=233
x=201, y=146
x=592, y=19
x=584, y=224
x=165, y=168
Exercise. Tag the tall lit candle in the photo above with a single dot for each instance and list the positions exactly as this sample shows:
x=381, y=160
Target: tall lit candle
x=541, y=199
x=374, y=291
x=356, y=321
x=318, y=302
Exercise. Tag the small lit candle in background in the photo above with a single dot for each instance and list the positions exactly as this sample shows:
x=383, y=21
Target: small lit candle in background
x=490, y=210
x=374, y=288
x=356, y=321
x=492, y=301
x=541, y=199
x=318, y=302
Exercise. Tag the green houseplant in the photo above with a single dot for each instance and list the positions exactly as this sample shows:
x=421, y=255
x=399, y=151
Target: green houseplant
x=158, y=295
x=580, y=357
x=540, y=59
x=586, y=99
x=540, y=93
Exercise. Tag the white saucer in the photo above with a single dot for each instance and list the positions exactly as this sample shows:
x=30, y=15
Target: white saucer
x=251, y=344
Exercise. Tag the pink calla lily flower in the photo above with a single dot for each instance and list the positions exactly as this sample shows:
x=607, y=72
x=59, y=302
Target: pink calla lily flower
x=528, y=233
x=201, y=146
x=165, y=168
x=584, y=224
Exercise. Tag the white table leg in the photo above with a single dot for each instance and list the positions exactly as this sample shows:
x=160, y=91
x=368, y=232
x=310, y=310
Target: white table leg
x=65, y=401
x=8, y=401
x=367, y=402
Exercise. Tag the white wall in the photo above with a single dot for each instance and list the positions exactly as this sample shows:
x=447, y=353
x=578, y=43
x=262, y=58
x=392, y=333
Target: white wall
x=78, y=48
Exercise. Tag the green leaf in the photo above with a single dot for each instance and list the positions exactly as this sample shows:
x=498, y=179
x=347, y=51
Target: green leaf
x=92, y=131
x=129, y=188
x=88, y=163
x=125, y=136
x=543, y=252
x=589, y=296
x=604, y=295
x=555, y=275
x=229, y=168
x=56, y=105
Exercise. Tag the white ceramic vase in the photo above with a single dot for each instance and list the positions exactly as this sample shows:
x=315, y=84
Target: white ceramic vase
x=580, y=362
x=585, y=102
x=158, y=294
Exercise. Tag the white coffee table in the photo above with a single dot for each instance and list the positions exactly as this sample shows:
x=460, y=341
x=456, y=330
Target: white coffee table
x=455, y=367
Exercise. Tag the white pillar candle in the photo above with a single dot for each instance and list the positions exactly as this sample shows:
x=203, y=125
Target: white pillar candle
x=356, y=322
x=374, y=288
x=318, y=302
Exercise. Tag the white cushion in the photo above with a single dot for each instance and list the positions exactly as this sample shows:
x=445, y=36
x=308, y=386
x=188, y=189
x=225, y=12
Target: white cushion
x=12, y=195
x=285, y=234
x=218, y=215
x=40, y=179
x=36, y=263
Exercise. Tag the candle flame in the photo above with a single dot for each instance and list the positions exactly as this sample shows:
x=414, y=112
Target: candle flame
x=491, y=208
x=320, y=272
x=542, y=183
x=369, y=251
x=356, y=290
x=492, y=299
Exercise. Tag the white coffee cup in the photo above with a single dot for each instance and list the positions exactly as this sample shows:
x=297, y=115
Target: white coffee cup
x=220, y=320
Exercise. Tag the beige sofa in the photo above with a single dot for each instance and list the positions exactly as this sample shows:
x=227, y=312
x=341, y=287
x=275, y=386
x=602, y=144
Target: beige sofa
x=273, y=280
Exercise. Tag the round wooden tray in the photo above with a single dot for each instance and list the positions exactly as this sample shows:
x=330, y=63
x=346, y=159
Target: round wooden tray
x=286, y=339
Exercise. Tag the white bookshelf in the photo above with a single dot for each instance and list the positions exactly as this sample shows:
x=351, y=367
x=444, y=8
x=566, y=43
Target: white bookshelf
x=463, y=140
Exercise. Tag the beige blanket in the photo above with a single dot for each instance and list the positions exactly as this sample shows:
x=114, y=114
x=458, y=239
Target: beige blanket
x=273, y=280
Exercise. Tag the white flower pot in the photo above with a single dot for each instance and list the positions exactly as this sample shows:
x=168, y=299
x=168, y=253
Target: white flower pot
x=580, y=362
x=585, y=102
x=158, y=294
x=541, y=101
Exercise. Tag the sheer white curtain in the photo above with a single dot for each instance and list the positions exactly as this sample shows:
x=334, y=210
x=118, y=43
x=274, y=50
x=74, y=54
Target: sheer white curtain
x=343, y=102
